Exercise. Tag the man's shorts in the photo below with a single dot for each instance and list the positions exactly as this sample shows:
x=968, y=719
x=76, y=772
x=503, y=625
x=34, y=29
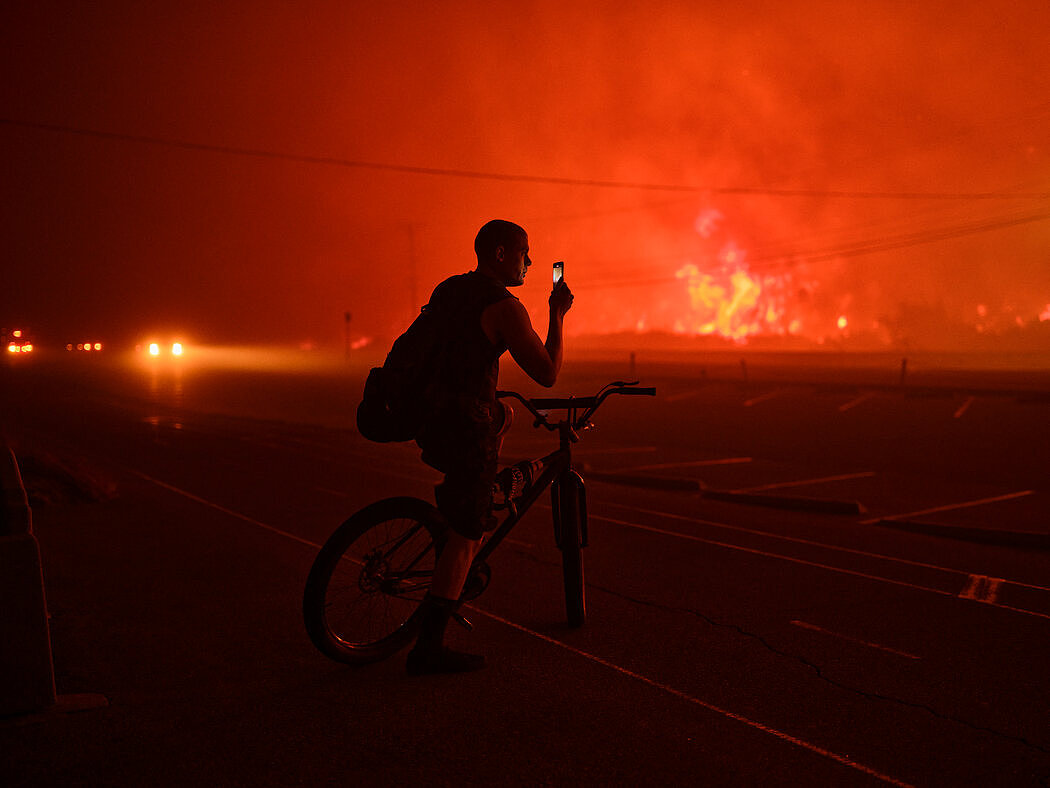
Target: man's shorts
x=463, y=440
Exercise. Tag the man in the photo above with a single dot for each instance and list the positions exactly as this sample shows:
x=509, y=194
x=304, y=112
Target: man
x=463, y=432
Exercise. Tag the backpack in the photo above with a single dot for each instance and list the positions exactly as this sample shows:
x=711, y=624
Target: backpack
x=399, y=394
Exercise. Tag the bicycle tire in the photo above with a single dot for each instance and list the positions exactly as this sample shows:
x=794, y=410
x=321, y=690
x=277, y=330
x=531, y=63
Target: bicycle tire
x=361, y=601
x=571, y=543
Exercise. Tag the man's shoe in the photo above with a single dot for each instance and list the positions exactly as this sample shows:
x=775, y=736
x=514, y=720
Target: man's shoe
x=444, y=660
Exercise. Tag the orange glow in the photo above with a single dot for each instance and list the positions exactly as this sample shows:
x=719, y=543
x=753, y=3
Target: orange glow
x=732, y=303
x=176, y=349
x=13, y=348
x=154, y=349
x=842, y=322
x=1045, y=314
x=98, y=346
x=17, y=333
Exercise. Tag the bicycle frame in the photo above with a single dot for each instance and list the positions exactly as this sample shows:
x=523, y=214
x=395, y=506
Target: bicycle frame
x=558, y=464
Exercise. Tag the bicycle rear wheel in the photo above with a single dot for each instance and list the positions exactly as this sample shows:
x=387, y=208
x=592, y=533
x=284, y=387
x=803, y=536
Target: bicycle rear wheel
x=362, y=595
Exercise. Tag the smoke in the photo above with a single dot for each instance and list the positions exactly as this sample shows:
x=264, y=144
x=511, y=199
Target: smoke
x=833, y=100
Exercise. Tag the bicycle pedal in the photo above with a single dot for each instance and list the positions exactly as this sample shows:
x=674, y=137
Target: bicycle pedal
x=463, y=622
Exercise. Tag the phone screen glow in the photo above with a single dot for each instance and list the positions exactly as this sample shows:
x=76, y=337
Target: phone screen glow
x=559, y=270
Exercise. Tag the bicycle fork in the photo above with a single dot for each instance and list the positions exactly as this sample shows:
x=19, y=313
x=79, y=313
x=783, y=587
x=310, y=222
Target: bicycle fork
x=568, y=500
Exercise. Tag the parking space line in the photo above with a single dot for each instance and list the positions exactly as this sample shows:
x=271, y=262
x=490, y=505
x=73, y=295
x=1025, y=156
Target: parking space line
x=851, y=639
x=845, y=760
x=785, y=538
x=621, y=450
x=767, y=554
x=328, y=491
x=803, y=482
x=855, y=402
x=222, y=509
x=689, y=464
x=832, y=547
x=763, y=397
x=950, y=507
x=981, y=588
x=962, y=409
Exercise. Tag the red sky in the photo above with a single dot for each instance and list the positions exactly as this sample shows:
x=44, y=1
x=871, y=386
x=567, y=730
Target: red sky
x=118, y=236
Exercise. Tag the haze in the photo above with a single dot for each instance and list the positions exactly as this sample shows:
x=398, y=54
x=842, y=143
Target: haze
x=197, y=167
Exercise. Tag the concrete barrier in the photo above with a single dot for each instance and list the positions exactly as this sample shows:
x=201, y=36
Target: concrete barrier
x=27, y=676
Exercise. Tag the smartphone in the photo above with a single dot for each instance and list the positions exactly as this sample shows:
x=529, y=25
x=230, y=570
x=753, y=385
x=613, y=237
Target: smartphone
x=559, y=271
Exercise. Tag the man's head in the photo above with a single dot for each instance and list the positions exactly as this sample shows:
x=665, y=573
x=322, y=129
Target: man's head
x=502, y=248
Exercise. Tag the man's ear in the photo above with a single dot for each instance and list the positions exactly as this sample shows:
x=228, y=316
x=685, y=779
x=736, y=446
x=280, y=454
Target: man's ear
x=500, y=253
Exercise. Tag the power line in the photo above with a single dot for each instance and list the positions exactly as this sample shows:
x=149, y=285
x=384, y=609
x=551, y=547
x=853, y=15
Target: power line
x=520, y=178
x=853, y=250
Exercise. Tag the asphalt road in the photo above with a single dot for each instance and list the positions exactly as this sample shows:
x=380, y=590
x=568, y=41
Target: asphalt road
x=740, y=639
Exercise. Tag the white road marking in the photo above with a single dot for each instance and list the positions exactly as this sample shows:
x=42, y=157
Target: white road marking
x=763, y=397
x=519, y=543
x=821, y=480
x=855, y=402
x=222, y=509
x=767, y=554
x=845, y=760
x=981, y=588
x=623, y=450
x=851, y=639
x=798, y=540
x=962, y=408
x=688, y=464
x=951, y=507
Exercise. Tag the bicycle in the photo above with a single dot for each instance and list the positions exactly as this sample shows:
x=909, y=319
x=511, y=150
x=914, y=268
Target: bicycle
x=362, y=596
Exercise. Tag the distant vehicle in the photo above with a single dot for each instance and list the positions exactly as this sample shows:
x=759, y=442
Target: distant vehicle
x=84, y=347
x=18, y=341
x=157, y=349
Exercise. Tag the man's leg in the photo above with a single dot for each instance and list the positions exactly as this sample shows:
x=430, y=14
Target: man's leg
x=465, y=498
x=430, y=654
x=453, y=565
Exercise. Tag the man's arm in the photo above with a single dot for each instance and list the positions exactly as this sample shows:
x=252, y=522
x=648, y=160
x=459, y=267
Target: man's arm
x=507, y=322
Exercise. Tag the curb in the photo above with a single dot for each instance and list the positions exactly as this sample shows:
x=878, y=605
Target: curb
x=1023, y=539
x=795, y=503
x=27, y=676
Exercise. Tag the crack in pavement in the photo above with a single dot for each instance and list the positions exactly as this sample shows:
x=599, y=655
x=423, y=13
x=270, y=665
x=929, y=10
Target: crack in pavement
x=819, y=672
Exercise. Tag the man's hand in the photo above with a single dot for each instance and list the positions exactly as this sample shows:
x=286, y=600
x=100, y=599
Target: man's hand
x=561, y=299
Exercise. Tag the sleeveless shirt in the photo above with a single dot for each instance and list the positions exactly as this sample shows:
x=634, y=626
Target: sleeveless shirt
x=471, y=363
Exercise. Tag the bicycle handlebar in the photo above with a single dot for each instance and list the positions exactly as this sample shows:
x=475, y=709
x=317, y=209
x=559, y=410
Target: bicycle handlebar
x=588, y=404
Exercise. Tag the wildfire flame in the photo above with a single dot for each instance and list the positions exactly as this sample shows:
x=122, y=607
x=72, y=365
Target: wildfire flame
x=732, y=302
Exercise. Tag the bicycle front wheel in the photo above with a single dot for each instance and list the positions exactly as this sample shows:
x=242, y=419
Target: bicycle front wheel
x=568, y=500
x=362, y=596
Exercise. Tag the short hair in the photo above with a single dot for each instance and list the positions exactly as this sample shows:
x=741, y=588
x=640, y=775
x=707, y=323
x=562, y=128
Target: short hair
x=498, y=232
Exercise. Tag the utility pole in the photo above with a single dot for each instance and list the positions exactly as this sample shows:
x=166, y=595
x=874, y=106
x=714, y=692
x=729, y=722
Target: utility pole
x=346, y=334
x=413, y=283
